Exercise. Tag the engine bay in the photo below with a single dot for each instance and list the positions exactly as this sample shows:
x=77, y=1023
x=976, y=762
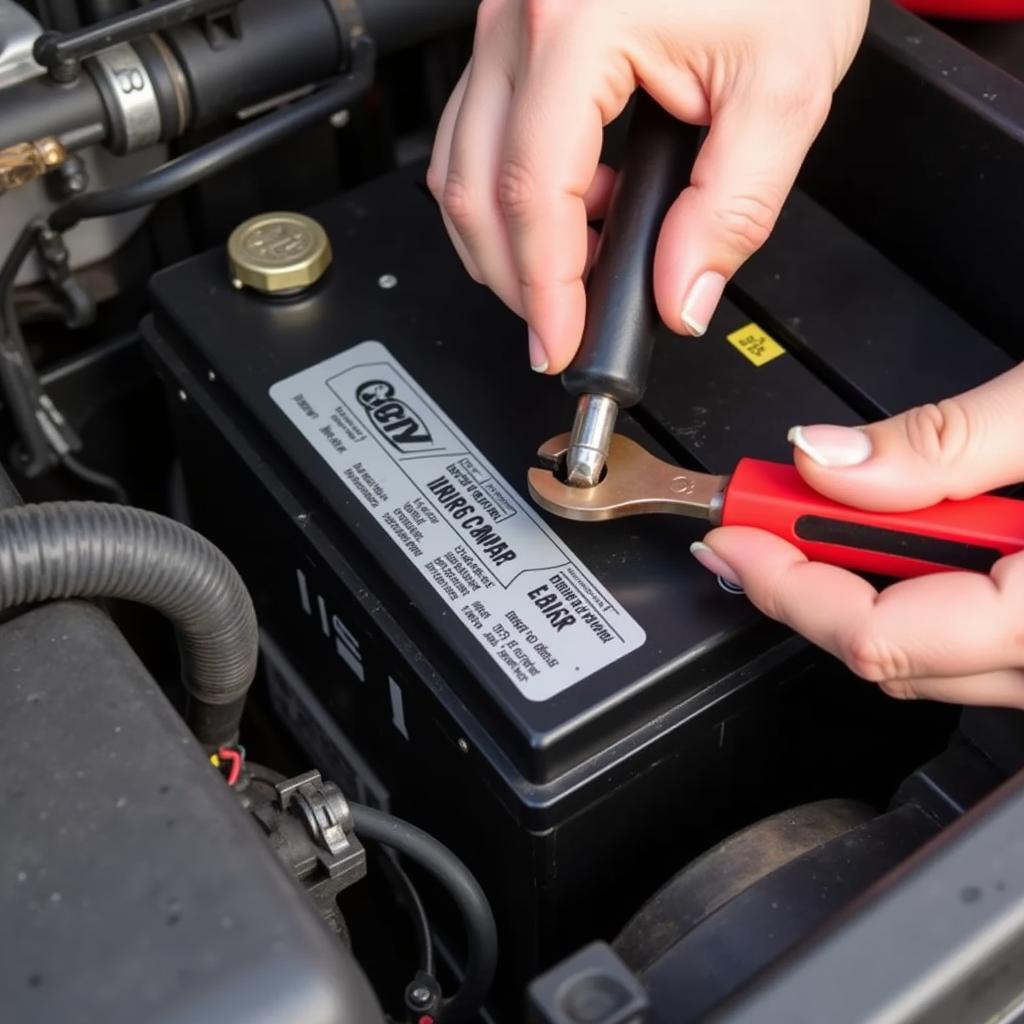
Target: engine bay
x=309, y=712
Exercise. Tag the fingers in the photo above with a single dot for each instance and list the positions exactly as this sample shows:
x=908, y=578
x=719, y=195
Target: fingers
x=468, y=195
x=478, y=171
x=759, y=136
x=948, y=636
x=940, y=626
x=437, y=172
x=992, y=690
x=956, y=449
x=549, y=175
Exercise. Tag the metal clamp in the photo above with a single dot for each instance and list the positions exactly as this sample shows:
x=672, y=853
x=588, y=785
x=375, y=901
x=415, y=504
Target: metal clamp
x=122, y=76
x=328, y=820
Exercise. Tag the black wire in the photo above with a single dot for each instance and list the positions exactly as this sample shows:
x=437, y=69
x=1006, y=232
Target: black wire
x=409, y=898
x=215, y=156
x=477, y=917
x=94, y=478
x=17, y=255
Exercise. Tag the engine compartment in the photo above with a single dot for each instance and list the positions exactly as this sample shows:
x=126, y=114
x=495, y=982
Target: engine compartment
x=493, y=765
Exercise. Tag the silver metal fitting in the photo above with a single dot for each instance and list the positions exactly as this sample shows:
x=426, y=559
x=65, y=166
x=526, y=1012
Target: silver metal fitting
x=591, y=436
x=127, y=82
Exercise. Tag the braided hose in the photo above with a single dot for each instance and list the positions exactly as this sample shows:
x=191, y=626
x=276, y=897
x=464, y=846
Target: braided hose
x=89, y=550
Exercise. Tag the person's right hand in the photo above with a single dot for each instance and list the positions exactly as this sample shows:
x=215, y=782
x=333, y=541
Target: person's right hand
x=515, y=164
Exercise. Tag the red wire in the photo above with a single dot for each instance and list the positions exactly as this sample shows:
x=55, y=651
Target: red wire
x=234, y=759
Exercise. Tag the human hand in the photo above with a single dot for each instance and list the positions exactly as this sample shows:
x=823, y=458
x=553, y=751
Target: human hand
x=952, y=636
x=515, y=164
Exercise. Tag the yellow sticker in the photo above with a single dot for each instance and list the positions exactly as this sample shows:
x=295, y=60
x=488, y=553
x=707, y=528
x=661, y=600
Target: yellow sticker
x=756, y=345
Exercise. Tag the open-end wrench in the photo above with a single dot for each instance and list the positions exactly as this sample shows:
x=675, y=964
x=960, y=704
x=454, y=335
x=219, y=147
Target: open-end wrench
x=967, y=535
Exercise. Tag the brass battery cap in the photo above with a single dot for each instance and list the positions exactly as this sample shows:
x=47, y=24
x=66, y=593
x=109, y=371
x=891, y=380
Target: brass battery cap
x=278, y=253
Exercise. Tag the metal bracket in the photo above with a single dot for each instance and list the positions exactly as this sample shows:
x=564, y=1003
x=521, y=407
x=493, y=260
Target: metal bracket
x=328, y=821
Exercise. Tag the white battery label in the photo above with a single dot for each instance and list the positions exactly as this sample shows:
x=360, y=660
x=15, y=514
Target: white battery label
x=502, y=572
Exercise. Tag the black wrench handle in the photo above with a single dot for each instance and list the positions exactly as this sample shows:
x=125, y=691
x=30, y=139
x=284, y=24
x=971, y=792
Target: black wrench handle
x=622, y=317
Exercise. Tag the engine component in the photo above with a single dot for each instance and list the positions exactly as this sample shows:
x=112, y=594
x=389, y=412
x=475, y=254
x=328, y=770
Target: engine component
x=228, y=149
x=62, y=55
x=94, y=241
x=760, y=893
x=746, y=903
x=575, y=710
x=27, y=161
x=312, y=828
x=191, y=75
x=44, y=433
x=86, y=550
x=155, y=87
x=481, y=939
x=308, y=824
x=132, y=887
x=938, y=941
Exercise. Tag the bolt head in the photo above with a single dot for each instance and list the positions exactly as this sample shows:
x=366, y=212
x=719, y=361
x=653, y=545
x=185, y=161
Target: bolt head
x=421, y=995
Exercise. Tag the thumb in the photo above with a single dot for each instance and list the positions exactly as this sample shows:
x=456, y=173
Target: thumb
x=757, y=141
x=956, y=449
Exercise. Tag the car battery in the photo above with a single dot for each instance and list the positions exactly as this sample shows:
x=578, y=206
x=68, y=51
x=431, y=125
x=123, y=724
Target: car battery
x=576, y=709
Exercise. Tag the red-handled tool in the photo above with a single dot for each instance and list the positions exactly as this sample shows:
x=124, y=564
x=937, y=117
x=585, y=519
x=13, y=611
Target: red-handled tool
x=997, y=10
x=967, y=535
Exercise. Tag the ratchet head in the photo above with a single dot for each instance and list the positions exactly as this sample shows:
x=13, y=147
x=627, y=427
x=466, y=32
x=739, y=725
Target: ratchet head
x=634, y=483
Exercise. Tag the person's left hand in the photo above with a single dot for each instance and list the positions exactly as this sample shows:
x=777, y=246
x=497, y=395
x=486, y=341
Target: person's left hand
x=952, y=636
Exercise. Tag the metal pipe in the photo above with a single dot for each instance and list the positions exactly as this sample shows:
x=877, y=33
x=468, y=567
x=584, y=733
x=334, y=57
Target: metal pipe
x=41, y=107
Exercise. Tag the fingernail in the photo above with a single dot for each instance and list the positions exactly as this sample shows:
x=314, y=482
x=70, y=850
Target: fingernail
x=700, y=305
x=832, y=447
x=714, y=564
x=538, y=357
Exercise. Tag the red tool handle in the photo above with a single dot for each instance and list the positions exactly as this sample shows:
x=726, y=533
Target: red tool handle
x=984, y=9
x=970, y=535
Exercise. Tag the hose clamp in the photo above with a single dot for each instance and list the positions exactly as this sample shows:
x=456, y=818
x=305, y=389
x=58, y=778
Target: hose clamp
x=130, y=98
x=328, y=820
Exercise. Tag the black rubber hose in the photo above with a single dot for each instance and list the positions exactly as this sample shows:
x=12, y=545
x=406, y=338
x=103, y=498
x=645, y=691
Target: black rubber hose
x=478, y=919
x=215, y=156
x=90, y=550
